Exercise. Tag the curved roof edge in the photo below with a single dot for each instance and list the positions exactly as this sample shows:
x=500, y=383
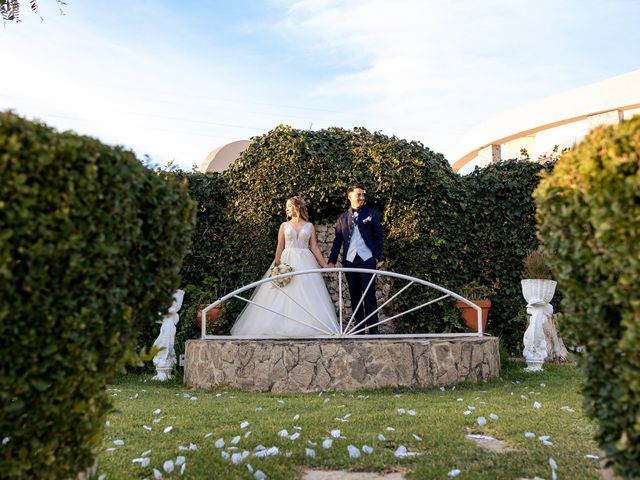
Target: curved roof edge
x=220, y=158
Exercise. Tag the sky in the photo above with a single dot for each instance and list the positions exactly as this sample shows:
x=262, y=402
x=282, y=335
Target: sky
x=175, y=80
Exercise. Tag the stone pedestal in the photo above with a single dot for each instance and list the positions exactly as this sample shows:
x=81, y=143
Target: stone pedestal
x=341, y=364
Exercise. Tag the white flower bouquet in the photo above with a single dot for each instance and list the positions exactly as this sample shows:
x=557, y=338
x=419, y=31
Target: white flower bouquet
x=279, y=269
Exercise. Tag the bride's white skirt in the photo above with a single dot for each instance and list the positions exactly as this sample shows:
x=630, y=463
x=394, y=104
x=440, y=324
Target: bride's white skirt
x=308, y=313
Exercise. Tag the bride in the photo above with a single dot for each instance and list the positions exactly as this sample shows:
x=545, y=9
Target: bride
x=303, y=308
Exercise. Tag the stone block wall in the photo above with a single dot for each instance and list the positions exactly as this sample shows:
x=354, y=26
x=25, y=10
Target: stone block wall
x=344, y=364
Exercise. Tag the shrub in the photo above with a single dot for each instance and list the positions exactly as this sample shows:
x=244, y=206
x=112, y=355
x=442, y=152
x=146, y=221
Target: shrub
x=589, y=216
x=90, y=249
x=535, y=266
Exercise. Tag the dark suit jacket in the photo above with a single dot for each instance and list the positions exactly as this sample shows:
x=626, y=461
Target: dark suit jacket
x=370, y=229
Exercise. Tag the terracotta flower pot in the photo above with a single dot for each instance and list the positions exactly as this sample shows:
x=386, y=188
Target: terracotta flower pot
x=214, y=318
x=470, y=314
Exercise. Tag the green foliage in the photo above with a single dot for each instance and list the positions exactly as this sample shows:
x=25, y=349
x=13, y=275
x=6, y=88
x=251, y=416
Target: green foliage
x=477, y=291
x=499, y=230
x=589, y=215
x=90, y=248
x=535, y=266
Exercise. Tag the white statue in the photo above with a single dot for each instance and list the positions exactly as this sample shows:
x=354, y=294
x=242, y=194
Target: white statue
x=538, y=294
x=166, y=358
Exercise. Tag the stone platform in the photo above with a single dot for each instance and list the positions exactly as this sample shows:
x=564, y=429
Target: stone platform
x=341, y=364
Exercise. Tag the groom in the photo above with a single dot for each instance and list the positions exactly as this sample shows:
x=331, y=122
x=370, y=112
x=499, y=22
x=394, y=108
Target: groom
x=359, y=232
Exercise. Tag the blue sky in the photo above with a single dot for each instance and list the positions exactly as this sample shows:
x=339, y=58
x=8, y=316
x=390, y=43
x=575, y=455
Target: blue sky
x=174, y=80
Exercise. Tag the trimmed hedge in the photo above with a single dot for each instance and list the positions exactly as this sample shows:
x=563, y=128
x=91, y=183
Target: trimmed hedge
x=589, y=216
x=90, y=248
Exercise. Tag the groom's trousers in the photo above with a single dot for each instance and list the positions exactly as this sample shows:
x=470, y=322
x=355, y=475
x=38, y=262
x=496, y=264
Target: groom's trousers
x=357, y=284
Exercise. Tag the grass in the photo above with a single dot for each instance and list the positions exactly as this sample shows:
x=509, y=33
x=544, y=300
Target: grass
x=438, y=420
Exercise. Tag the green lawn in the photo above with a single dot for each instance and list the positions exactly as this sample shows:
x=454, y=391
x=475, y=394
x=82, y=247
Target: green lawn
x=200, y=418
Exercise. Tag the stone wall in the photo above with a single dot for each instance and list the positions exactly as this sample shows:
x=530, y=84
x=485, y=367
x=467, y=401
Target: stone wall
x=344, y=364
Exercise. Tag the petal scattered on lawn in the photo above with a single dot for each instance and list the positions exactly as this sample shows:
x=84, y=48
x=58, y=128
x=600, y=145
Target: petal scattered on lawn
x=467, y=412
x=459, y=399
x=168, y=429
x=554, y=469
x=381, y=438
x=537, y=405
x=180, y=459
x=296, y=417
x=568, y=409
x=183, y=468
x=294, y=436
x=493, y=416
x=481, y=421
x=354, y=452
x=107, y=424
x=193, y=399
x=235, y=439
x=401, y=411
x=219, y=443
x=335, y=433
x=143, y=461
x=529, y=435
x=157, y=411
x=147, y=428
x=157, y=420
x=258, y=409
x=391, y=429
x=273, y=451
x=454, y=473
x=412, y=413
x=417, y=437
x=327, y=443
x=207, y=435
x=310, y=452
x=474, y=436
x=281, y=402
x=225, y=455
x=524, y=397
x=590, y=456
x=145, y=453
x=157, y=474
x=401, y=451
x=193, y=447
x=246, y=435
x=111, y=449
x=543, y=385
x=367, y=449
x=168, y=466
x=259, y=475
x=249, y=467
x=283, y=433
x=118, y=443
x=236, y=458
x=244, y=424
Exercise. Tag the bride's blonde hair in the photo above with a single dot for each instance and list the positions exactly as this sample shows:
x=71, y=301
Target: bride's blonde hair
x=301, y=205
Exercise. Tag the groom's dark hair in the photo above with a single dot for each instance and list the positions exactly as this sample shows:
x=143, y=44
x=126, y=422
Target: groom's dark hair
x=353, y=186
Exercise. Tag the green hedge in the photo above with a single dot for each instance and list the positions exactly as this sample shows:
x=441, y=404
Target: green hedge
x=91, y=243
x=589, y=215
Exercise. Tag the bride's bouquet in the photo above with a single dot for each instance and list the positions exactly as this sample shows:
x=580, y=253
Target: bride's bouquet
x=279, y=269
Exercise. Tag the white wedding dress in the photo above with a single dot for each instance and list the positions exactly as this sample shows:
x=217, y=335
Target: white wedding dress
x=303, y=308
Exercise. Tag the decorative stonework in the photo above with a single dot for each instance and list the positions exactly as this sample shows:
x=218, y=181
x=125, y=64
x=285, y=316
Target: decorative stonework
x=344, y=364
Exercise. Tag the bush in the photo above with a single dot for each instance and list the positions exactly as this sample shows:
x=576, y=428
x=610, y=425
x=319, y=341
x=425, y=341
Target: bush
x=589, y=216
x=90, y=249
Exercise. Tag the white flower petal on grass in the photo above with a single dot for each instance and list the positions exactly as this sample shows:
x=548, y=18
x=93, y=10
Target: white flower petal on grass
x=354, y=452
x=180, y=459
x=246, y=435
x=543, y=385
x=193, y=447
x=111, y=449
x=168, y=429
x=568, y=409
x=401, y=411
x=249, y=467
x=143, y=461
x=381, y=438
x=296, y=417
x=524, y=397
x=281, y=402
x=232, y=449
x=454, y=473
x=107, y=424
x=467, y=412
x=481, y=421
x=157, y=474
x=398, y=395
x=157, y=420
x=493, y=416
x=183, y=468
x=401, y=451
x=537, y=405
x=283, y=433
x=168, y=466
x=260, y=448
x=590, y=456
x=102, y=477
x=335, y=433
x=147, y=428
x=474, y=436
x=258, y=409
x=219, y=443
x=554, y=469
x=186, y=395
x=236, y=458
x=367, y=449
x=529, y=435
x=471, y=407
x=259, y=475
x=326, y=400
x=146, y=453
x=411, y=413
x=225, y=455
x=218, y=394
x=182, y=448
x=460, y=399
x=235, y=439
x=327, y=443
x=157, y=411
x=391, y=429
x=310, y=452
x=118, y=443
x=207, y=435
x=260, y=454
x=193, y=399
x=294, y=436
x=273, y=451
x=244, y=424
x=417, y=437
x=296, y=427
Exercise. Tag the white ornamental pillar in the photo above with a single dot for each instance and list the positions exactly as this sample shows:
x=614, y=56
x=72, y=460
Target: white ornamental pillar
x=538, y=294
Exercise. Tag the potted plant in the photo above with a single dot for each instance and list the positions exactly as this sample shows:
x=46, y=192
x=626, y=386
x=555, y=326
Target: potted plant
x=203, y=296
x=537, y=282
x=480, y=295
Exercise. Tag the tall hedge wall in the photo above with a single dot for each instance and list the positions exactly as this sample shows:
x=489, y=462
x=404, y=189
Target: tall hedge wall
x=91, y=244
x=589, y=214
